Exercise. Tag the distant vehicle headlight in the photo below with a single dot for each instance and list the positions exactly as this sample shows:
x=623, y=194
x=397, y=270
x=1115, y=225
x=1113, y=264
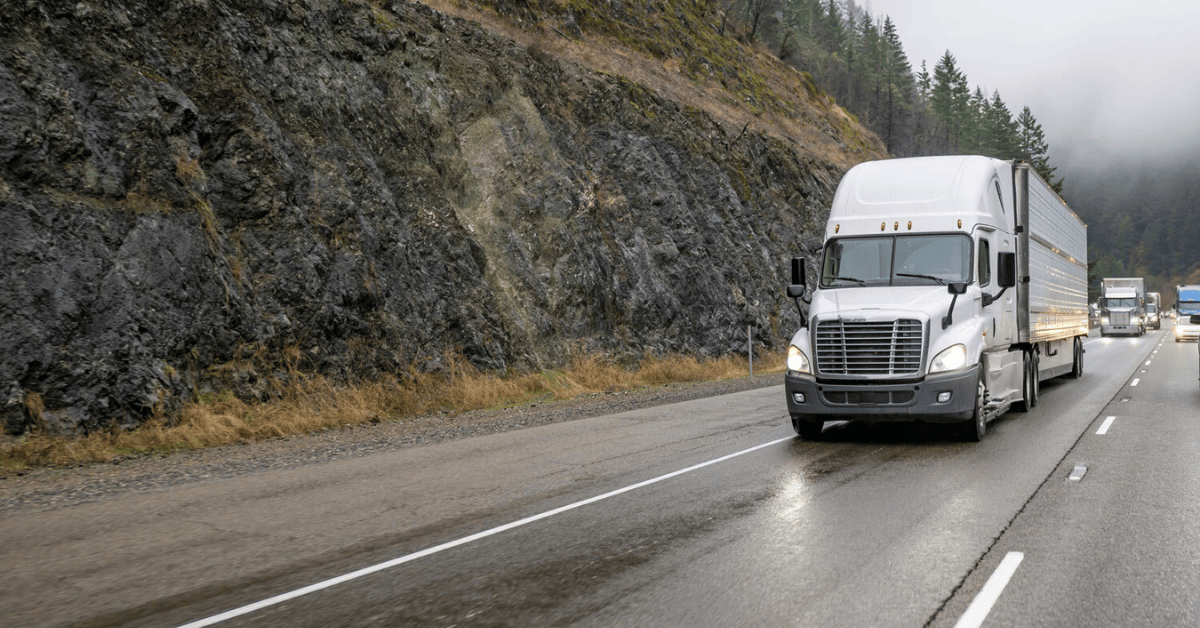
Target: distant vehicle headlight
x=951, y=359
x=797, y=361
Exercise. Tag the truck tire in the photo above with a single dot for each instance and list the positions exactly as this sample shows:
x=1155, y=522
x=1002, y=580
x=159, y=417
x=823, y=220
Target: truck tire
x=1028, y=386
x=1037, y=383
x=1077, y=366
x=973, y=431
x=807, y=430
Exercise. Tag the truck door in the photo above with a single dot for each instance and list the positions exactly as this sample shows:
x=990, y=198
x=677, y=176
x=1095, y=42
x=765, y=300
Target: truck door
x=1000, y=316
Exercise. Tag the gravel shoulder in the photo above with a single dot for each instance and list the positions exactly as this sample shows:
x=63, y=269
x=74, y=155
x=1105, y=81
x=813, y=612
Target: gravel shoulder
x=39, y=489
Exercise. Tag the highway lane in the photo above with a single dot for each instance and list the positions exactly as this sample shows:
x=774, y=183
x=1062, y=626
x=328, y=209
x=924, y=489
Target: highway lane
x=1121, y=545
x=872, y=525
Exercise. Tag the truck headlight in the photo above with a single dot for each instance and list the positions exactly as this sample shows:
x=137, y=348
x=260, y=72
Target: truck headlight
x=951, y=359
x=797, y=361
x=1104, y=320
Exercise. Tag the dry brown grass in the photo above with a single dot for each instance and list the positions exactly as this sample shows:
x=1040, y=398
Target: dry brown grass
x=312, y=404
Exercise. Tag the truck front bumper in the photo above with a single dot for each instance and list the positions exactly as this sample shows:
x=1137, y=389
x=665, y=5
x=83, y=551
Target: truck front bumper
x=1120, y=329
x=874, y=401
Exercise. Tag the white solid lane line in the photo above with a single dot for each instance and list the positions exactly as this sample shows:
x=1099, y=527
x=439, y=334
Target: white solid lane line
x=982, y=604
x=1104, y=428
x=250, y=608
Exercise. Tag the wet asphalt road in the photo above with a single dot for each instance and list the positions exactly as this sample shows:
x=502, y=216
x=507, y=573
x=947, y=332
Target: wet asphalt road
x=886, y=525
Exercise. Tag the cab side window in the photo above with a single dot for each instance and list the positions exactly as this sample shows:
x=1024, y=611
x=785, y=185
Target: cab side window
x=985, y=262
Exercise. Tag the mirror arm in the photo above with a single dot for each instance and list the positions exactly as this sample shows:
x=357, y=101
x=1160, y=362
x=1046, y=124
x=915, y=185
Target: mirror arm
x=948, y=319
x=803, y=316
x=989, y=299
x=800, y=309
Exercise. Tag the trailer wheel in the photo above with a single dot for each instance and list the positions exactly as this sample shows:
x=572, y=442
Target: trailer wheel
x=972, y=431
x=1037, y=383
x=1028, y=386
x=806, y=429
x=1077, y=367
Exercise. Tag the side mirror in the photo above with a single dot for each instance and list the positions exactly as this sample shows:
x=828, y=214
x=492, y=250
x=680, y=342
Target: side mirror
x=798, y=286
x=957, y=287
x=1006, y=271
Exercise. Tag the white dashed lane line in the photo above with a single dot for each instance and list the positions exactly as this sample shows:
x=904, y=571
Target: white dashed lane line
x=982, y=604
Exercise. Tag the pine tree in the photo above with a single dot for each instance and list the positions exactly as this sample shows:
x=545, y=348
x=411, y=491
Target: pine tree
x=1033, y=148
x=833, y=30
x=976, y=139
x=1005, y=137
x=943, y=97
x=898, y=80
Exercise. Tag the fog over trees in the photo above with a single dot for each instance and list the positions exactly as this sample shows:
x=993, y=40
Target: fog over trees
x=1143, y=214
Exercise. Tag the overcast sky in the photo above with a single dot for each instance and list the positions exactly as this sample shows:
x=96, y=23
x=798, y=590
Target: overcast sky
x=1106, y=79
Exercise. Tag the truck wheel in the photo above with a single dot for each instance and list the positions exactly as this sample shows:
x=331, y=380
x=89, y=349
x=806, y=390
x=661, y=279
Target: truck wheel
x=973, y=430
x=808, y=430
x=1037, y=384
x=1077, y=367
x=1028, y=394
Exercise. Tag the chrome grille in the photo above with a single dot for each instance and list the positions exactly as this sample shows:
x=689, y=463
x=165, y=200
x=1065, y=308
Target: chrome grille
x=869, y=348
x=1118, y=318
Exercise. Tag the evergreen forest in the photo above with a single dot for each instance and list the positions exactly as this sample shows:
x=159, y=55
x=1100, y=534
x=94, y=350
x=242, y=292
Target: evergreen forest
x=1141, y=220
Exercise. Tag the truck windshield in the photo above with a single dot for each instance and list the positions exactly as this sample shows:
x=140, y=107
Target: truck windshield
x=1114, y=303
x=897, y=261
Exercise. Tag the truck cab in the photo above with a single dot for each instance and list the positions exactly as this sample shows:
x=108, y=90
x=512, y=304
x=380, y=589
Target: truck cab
x=1187, y=304
x=1121, y=312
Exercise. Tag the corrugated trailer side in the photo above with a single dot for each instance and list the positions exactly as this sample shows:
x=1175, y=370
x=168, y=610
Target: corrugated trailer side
x=1057, y=246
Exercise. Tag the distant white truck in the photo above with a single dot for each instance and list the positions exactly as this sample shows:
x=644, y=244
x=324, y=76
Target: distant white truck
x=1154, y=312
x=949, y=287
x=1122, y=306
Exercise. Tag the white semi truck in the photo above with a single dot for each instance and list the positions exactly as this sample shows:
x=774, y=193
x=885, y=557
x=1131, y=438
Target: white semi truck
x=1122, y=306
x=948, y=288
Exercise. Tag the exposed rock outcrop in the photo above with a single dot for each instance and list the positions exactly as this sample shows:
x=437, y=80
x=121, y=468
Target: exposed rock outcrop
x=193, y=189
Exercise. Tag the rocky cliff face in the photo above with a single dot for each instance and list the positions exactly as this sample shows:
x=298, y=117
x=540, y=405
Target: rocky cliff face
x=192, y=191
